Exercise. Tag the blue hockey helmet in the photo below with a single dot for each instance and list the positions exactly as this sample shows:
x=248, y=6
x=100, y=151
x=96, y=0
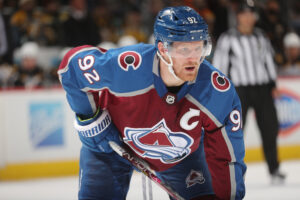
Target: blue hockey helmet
x=180, y=24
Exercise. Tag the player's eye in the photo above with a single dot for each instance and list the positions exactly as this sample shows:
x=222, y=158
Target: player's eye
x=184, y=51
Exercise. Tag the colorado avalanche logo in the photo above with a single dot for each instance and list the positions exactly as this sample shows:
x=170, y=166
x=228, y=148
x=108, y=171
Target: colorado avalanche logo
x=194, y=177
x=129, y=58
x=159, y=142
x=220, y=83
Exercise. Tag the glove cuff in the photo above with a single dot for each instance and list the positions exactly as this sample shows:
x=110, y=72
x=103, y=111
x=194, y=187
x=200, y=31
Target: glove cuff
x=85, y=121
x=98, y=124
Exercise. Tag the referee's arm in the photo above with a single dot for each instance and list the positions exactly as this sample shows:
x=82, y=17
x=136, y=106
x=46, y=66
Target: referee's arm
x=221, y=55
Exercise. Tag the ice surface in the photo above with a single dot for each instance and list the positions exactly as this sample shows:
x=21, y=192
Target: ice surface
x=257, y=185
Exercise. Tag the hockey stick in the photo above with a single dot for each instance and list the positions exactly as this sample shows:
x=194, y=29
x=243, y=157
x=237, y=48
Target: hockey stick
x=143, y=167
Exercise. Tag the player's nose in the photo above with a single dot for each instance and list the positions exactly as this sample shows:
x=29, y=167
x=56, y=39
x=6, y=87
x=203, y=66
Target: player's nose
x=194, y=57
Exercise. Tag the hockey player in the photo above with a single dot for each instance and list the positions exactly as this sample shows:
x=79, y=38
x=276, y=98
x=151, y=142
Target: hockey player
x=166, y=103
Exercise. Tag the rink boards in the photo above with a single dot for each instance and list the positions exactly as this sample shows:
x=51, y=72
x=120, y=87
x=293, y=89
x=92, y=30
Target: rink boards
x=37, y=137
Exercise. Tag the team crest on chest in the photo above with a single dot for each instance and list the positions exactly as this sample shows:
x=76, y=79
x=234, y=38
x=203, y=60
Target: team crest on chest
x=159, y=142
x=220, y=83
x=129, y=59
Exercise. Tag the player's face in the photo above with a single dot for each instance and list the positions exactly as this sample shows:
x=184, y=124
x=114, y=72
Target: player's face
x=186, y=58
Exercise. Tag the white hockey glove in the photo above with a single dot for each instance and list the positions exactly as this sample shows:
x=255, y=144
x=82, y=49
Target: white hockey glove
x=96, y=132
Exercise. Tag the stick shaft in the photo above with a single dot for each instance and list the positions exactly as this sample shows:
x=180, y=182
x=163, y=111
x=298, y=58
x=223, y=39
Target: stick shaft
x=143, y=167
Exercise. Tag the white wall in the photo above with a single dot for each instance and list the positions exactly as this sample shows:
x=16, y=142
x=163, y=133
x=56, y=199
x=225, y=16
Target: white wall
x=2, y=139
x=36, y=126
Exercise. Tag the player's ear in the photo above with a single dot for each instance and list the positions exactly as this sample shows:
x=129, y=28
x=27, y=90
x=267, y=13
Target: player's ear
x=161, y=48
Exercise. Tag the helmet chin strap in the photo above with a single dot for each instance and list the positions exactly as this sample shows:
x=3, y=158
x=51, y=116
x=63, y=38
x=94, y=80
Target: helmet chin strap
x=170, y=65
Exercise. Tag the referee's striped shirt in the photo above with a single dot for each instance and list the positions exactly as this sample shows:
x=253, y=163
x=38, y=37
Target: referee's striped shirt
x=246, y=59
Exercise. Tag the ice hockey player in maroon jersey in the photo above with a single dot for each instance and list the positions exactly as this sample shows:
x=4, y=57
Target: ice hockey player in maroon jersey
x=165, y=103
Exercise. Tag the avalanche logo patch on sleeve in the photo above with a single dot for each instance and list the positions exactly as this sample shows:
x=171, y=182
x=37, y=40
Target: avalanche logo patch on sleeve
x=159, y=142
x=220, y=83
x=129, y=58
x=194, y=177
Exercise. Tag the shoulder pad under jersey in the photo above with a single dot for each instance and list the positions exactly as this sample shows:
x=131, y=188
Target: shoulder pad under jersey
x=214, y=93
x=133, y=67
x=123, y=69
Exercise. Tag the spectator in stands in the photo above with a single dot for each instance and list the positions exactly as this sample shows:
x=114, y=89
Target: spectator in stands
x=291, y=66
x=50, y=24
x=104, y=18
x=152, y=7
x=28, y=74
x=6, y=72
x=50, y=73
x=107, y=45
x=80, y=27
x=133, y=26
x=5, y=37
x=201, y=6
x=24, y=22
x=272, y=21
x=126, y=40
x=294, y=15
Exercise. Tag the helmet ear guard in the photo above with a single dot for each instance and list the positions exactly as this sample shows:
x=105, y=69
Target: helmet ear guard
x=208, y=47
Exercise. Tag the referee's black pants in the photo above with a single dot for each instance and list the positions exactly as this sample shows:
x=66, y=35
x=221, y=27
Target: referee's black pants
x=261, y=100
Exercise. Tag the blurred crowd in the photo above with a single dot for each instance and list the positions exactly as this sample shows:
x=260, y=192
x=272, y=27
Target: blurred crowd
x=35, y=34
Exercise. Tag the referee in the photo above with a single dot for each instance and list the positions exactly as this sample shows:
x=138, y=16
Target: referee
x=244, y=54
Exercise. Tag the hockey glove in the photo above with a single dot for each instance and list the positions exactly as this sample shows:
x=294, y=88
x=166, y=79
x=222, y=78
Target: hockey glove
x=95, y=132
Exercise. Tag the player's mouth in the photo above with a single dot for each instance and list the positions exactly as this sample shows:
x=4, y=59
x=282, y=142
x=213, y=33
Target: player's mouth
x=190, y=68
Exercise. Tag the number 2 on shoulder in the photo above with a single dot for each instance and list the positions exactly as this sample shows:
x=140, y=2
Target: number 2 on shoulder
x=87, y=63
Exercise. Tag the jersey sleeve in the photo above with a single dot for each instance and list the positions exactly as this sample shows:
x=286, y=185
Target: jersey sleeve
x=83, y=72
x=225, y=149
x=223, y=135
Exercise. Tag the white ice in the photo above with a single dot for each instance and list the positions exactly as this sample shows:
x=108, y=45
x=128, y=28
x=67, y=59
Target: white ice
x=258, y=186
